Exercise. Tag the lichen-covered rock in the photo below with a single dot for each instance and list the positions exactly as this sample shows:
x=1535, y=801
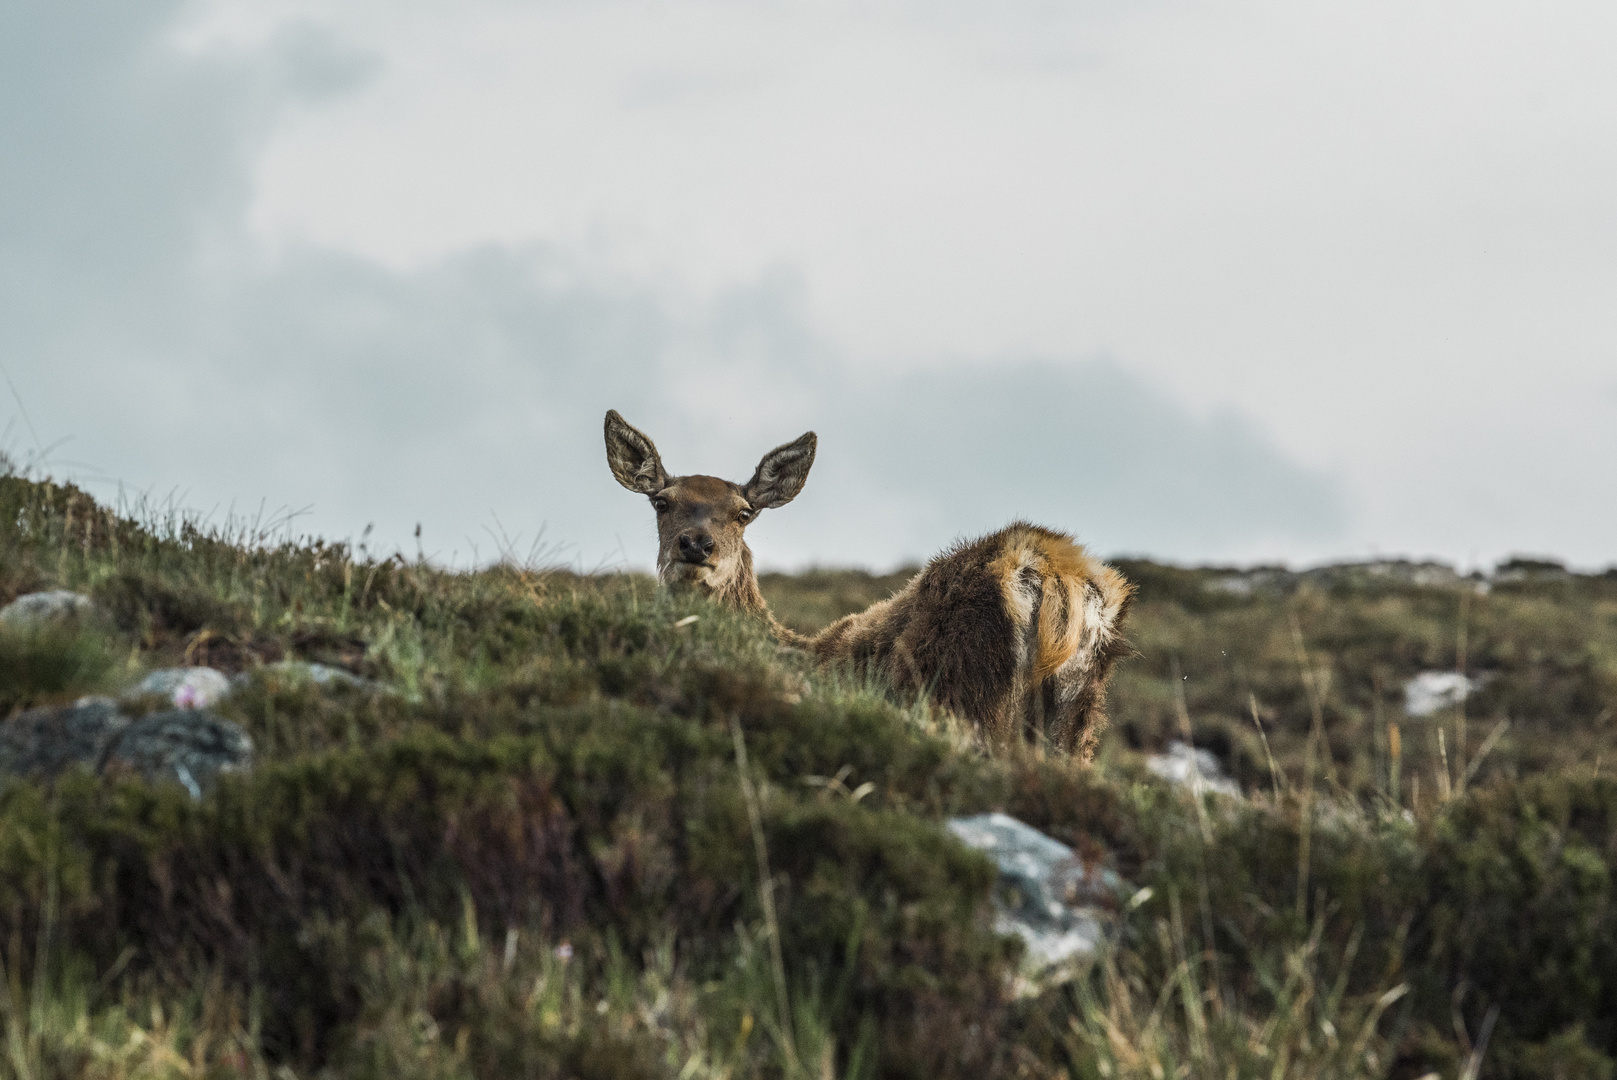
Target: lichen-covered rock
x=1046, y=895
x=40, y=609
x=186, y=688
x=41, y=743
x=1193, y=768
x=187, y=745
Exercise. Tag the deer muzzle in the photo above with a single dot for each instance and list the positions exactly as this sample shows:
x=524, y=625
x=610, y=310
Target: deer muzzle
x=695, y=547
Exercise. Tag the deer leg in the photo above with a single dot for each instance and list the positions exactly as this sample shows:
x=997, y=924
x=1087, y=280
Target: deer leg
x=1077, y=707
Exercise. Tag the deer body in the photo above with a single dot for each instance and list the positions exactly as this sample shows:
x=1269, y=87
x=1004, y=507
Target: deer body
x=1016, y=631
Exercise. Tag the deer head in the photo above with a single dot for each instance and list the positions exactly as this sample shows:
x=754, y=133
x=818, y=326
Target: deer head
x=701, y=519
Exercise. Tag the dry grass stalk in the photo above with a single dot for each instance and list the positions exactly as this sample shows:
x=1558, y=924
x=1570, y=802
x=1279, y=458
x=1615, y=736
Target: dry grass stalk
x=766, y=896
x=1134, y=1028
x=1459, y=703
x=1257, y=721
x=1185, y=732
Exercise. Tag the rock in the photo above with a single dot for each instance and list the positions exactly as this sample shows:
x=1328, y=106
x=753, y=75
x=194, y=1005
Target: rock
x=42, y=743
x=1355, y=577
x=1192, y=768
x=320, y=674
x=202, y=687
x=1261, y=579
x=303, y=671
x=1046, y=896
x=1401, y=573
x=44, y=608
x=186, y=688
x=1433, y=691
x=187, y=745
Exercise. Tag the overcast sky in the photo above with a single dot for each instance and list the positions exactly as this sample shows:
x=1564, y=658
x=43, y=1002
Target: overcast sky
x=1247, y=281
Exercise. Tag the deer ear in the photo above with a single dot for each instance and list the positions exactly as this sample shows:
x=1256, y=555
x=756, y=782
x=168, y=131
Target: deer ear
x=781, y=474
x=633, y=457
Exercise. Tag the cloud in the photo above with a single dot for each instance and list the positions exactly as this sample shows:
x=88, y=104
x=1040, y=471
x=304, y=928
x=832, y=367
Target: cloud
x=1093, y=449
x=140, y=318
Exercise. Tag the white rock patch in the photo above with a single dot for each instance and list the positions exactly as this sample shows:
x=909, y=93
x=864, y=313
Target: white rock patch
x=186, y=688
x=1048, y=897
x=1433, y=691
x=1191, y=767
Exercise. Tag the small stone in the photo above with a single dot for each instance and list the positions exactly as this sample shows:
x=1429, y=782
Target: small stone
x=42, y=743
x=1193, y=768
x=303, y=671
x=1046, y=896
x=186, y=688
x=1433, y=691
x=34, y=610
x=186, y=745
x=319, y=674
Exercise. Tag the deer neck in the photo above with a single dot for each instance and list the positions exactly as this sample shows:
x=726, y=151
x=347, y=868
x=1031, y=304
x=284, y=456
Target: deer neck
x=740, y=591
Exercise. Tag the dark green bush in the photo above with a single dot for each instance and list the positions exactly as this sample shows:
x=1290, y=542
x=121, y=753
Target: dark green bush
x=1522, y=910
x=612, y=820
x=1564, y=1056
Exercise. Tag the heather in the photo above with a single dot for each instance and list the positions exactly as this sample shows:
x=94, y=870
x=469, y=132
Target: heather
x=570, y=825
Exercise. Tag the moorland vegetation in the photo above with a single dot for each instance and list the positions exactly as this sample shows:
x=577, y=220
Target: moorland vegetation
x=541, y=849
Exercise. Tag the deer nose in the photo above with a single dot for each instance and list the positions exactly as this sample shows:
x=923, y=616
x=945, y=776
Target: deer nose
x=695, y=547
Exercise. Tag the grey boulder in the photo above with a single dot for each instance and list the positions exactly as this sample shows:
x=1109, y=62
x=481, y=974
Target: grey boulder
x=40, y=609
x=42, y=743
x=1046, y=896
x=187, y=745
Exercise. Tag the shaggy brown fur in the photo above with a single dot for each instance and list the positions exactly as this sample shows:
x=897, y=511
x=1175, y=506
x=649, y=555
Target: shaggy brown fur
x=1016, y=631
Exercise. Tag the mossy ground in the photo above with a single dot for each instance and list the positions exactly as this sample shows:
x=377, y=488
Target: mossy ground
x=534, y=855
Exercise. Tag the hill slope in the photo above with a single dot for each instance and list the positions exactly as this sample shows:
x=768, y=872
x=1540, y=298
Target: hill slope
x=529, y=850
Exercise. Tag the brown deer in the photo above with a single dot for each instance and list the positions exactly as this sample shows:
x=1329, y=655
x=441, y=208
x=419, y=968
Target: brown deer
x=1016, y=631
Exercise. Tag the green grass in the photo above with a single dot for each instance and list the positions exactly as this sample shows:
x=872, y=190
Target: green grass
x=47, y=664
x=532, y=853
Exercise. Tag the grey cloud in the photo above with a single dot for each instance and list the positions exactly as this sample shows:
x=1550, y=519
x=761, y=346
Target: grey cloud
x=138, y=317
x=108, y=156
x=315, y=65
x=116, y=149
x=1093, y=449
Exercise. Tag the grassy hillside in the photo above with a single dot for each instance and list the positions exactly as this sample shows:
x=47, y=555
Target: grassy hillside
x=537, y=851
x=1234, y=659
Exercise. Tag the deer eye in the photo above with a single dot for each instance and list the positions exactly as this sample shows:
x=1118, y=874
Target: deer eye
x=659, y=504
x=746, y=515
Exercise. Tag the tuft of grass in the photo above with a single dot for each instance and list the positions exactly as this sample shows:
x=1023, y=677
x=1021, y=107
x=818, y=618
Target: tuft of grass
x=51, y=663
x=1143, y=1024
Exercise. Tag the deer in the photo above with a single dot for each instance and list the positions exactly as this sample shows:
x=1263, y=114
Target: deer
x=1016, y=632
